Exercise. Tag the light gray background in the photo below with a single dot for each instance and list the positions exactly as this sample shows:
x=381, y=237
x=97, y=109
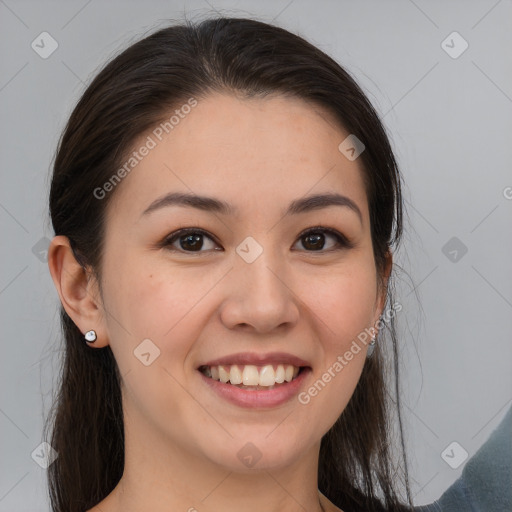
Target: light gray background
x=450, y=123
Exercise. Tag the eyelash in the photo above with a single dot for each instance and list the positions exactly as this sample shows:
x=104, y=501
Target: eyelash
x=342, y=241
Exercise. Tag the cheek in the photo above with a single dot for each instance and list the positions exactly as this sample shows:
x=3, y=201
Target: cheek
x=343, y=304
x=150, y=302
x=343, y=307
x=154, y=300
x=343, y=301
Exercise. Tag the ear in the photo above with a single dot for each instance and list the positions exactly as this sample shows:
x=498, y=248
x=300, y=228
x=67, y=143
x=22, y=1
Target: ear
x=78, y=290
x=382, y=290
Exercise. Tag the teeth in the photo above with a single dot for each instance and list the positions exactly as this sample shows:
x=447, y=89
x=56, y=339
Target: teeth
x=223, y=374
x=280, y=374
x=267, y=376
x=251, y=375
x=235, y=375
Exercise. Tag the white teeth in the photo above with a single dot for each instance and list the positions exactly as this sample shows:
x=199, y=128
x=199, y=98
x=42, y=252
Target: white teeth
x=267, y=376
x=235, y=375
x=280, y=374
x=223, y=374
x=251, y=375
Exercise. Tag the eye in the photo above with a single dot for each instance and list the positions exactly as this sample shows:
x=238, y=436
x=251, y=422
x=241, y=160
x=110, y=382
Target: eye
x=190, y=240
x=314, y=239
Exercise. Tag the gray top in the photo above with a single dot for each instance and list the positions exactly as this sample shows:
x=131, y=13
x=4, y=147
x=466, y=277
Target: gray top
x=486, y=481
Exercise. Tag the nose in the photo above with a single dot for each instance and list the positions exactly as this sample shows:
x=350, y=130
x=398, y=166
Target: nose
x=260, y=297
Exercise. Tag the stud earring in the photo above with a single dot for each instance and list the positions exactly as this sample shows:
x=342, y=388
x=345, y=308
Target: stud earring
x=371, y=347
x=90, y=336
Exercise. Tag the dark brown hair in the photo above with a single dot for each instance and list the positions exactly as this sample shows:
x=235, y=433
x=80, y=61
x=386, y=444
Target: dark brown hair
x=133, y=93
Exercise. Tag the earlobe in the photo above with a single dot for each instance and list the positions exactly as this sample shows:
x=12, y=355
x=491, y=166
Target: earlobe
x=384, y=288
x=77, y=289
x=388, y=269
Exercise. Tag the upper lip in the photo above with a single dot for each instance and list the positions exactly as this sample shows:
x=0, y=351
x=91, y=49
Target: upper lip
x=244, y=358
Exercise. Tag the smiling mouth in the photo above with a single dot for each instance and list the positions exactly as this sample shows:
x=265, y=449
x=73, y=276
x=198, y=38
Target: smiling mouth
x=251, y=376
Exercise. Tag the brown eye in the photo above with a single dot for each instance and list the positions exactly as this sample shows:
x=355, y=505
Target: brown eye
x=314, y=240
x=192, y=240
x=188, y=240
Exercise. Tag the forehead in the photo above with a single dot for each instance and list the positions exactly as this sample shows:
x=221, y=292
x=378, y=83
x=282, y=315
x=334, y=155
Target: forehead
x=249, y=152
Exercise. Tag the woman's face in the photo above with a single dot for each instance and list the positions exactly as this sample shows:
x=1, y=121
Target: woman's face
x=246, y=287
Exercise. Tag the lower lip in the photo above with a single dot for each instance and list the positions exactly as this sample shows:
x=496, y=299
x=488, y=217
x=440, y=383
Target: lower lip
x=263, y=398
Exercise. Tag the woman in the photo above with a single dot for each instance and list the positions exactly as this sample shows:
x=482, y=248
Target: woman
x=225, y=203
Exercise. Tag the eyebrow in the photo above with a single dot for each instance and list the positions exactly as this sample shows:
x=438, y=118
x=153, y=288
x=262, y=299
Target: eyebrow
x=211, y=204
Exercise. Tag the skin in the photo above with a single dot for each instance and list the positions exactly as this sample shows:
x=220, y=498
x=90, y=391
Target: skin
x=182, y=439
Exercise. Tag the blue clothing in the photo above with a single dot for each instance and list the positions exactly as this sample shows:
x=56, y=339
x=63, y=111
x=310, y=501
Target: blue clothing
x=486, y=481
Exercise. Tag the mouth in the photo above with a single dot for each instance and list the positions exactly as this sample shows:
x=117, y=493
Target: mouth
x=257, y=381
x=253, y=377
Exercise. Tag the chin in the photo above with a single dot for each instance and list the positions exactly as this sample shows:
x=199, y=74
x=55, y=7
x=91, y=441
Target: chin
x=258, y=451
